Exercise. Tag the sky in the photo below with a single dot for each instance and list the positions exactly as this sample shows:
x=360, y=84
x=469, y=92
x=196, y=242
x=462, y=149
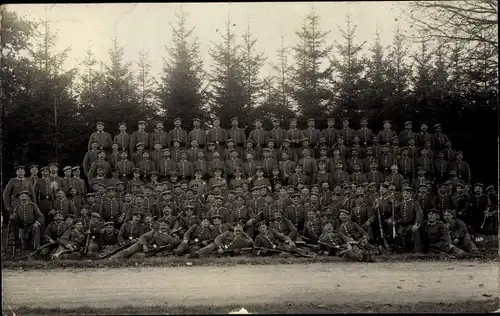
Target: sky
x=147, y=26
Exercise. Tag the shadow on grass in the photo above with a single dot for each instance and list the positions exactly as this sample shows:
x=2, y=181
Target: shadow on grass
x=482, y=306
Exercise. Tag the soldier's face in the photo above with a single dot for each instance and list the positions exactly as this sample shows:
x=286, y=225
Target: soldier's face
x=447, y=217
x=205, y=223
x=344, y=217
x=216, y=123
x=122, y=128
x=331, y=123
x=328, y=228
x=432, y=217
x=293, y=124
x=69, y=222
x=216, y=221
x=311, y=215
x=189, y=212
x=45, y=172
x=23, y=197
x=163, y=226
x=58, y=219
x=406, y=194
x=340, y=141
x=478, y=190
x=148, y=219
x=345, y=123
x=128, y=198
x=295, y=199
x=383, y=190
x=20, y=173
x=100, y=172
x=34, y=171
x=100, y=127
x=78, y=226
x=262, y=229
x=67, y=173
x=310, y=123
x=277, y=216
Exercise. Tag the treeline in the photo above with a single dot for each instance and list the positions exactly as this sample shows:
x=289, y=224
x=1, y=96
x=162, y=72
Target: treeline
x=49, y=113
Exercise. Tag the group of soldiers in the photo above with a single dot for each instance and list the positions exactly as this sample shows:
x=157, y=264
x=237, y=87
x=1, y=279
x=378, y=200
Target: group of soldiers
x=342, y=192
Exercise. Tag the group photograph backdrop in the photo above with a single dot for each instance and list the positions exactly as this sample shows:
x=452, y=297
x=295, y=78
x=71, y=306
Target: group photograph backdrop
x=422, y=61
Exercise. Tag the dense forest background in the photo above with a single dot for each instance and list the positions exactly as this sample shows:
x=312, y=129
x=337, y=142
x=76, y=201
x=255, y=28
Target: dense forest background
x=49, y=113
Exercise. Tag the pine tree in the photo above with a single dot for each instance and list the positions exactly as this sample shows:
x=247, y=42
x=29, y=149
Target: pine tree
x=283, y=68
x=90, y=82
x=311, y=74
x=348, y=68
x=252, y=62
x=145, y=83
x=422, y=82
x=180, y=93
x=228, y=81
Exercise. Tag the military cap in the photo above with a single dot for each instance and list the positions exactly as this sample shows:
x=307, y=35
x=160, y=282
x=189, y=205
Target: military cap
x=479, y=185
x=404, y=148
x=210, y=144
x=258, y=121
x=345, y=118
x=304, y=139
x=136, y=213
x=19, y=167
x=387, y=121
x=394, y=137
x=459, y=152
x=369, y=149
x=448, y=211
x=354, y=150
x=94, y=142
x=311, y=120
x=321, y=162
x=385, y=145
x=110, y=188
x=453, y=170
x=122, y=123
x=346, y=212
x=293, y=119
x=230, y=140
x=407, y=188
x=66, y=168
x=385, y=185
x=165, y=192
x=33, y=166
x=490, y=187
x=286, y=140
x=437, y=125
x=315, y=194
x=422, y=185
x=339, y=137
x=219, y=197
x=463, y=186
x=44, y=168
x=408, y=123
x=98, y=167
x=276, y=119
x=173, y=173
x=295, y=195
x=234, y=118
x=270, y=140
x=75, y=168
x=177, y=119
x=58, y=215
x=139, y=144
x=266, y=149
x=196, y=120
x=23, y=192
x=215, y=216
x=102, y=185
x=423, y=124
x=249, y=141
x=372, y=184
x=119, y=183
x=91, y=193
x=432, y=210
x=364, y=120
x=189, y=206
x=142, y=122
x=100, y=123
x=108, y=224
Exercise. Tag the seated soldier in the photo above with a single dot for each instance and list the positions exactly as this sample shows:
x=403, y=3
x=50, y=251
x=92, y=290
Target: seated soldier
x=229, y=241
x=334, y=243
x=131, y=230
x=108, y=236
x=184, y=223
x=269, y=241
x=312, y=228
x=71, y=241
x=28, y=219
x=356, y=235
x=53, y=233
x=94, y=229
x=153, y=241
x=242, y=213
x=436, y=236
x=458, y=232
x=284, y=226
x=197, y=236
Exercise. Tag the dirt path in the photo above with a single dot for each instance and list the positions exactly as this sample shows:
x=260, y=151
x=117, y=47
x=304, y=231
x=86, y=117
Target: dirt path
x=394, y=283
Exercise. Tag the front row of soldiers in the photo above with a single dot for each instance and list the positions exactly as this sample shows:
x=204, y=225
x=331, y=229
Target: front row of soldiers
x=329, y=232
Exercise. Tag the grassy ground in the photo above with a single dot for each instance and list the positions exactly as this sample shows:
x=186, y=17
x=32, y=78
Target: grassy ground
x=484, y=306
x=491, y=254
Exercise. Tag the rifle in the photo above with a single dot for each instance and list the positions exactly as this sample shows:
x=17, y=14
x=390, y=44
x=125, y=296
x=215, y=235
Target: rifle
x=155, y=250
x=40, y=249
x=108, y=253
x=487, y=214
x=386, y=244
x=87, y=243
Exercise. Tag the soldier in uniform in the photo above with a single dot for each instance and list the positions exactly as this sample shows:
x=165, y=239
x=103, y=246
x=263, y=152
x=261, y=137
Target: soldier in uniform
x=333, y=243
x=53, y=233
x=99, y=163
x=27, y=219
x=387, y=133
x=108, y=237
x=408, y=220
x=73, y=239
x=356, y=236
x=312, y=133
x=346, y=132
x=423, y=136
x=178, y=133
x=15, y=186
x=386, y=160
x=34, y=174
x=231, y=240
x=44, y=193
x=436, y=235
x=159, y=136
x=185, y=168
x=101, y=137
x=278, y=134
x=238, y=135
x=365, y=134
x=449, y=153
x=462, y=167
x=132, y=229
x=439, y=138
x=77, y=182
x=90, y=157
x=217, y=135
x=480, y=205
x=259, y=137
x=139, y=136
x=151, y=240
x=426, y=163
x=458, y=232
x=123, y=138
x=330, y=133
x=271, y=239
x=112, y=209
x=443, y=201
x=406, y=134
x=198, y=134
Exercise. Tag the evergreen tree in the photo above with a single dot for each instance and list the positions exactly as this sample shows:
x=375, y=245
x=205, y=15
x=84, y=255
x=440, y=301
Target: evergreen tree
x=251, y=62
x=348, y=67
x=180, y=93
x=145, y=83
x=283, y=68
x=422, y=83
x=311, y=74
x=228, y=81
x=90, y=82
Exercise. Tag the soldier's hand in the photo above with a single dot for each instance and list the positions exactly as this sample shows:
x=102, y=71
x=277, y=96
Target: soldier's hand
x=144, y=248
x=414, y=228
x=455, y=241
x=220, y=251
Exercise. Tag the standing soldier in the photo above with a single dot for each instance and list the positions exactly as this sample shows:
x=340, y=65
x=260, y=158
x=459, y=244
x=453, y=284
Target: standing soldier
x=198, y=134
x=201, y=164
x=412, y=149
x=426, y=163
x=217, y=135
x=365, y=134
x=139, y=136
x=114, y=156
x=100, y=162
x=158, y=136
x=28, y=219
x=278, y=134
x=480, y=205
x=238, y=135
x=294, y=135
x=424, y=136
x=125, y=168
x=387, y=133
x=259, y=136
x=185, y=169
x=408, y=219
x=78, y=183
x=44, y=193
x=443, y=201
x=15, y=186
x=462, y=167
x=312, y=133
x=157, y=153
x=424, y=198
x=440, y=169
x=449, y=153
x=101, y=137
x=268, y=163
x=90, y=157
x=346, y=132
x=34, y=174
x=386, y=160
x=405, y=135
x=406, y=165
x=330, y=133
x=67, y=182
x=439, y=138
x=178, y=133
x=374, y=175
x=146, y=165
x=123, y=138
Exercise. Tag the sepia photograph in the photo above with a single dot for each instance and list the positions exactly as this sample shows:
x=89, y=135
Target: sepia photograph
x=249, y=158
